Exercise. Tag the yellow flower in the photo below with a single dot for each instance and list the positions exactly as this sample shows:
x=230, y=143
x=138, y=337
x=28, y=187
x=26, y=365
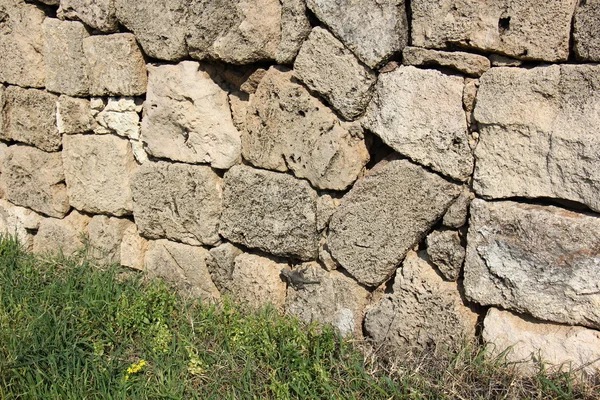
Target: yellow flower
x=135, y=368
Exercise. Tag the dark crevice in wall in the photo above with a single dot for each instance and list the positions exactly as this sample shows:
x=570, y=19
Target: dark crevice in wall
x=568, y=205
x=378, y=150
x=408, y=10
x=49, y=10
x=572, y=57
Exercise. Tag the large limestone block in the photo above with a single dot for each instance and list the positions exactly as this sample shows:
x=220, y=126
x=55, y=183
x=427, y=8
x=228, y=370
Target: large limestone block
x=336, y=300
x=29, y=116
x=419, y=114
x=446, y=252
x=97, y=14
x=530, y=29
x=467, y=63
x=221, y=265
x=424, y=312
x=187, y=117
x=585, y=30
x=97, y=170
x=66, y=64
x=73, y=115
x=384, y=215
x=528, y=341
x=66, y=236
x=331, y=70
x=116, y=65
x=270, y=211
x=35, y=179
x=19, y=222
x=21, y=44
x=177, y=201
x=133, y=248
x=183, y=265
x=105, y=236
x=288, y=128
x=372, y=29
x=539, y=133
x=539, y=260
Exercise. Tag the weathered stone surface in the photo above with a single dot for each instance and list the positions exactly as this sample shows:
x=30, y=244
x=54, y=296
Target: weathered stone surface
x=133, y=248
x=116, y=65
x=419, y=114
x=249, y=86
x=529, y=341
x=316, y=145
x=539, y=260
x=183, y=265
x=373, y=39
x=20, y=222
x=456, y=216
x=21, y=44
x=270, y=211
x=97, y=170
x=539, y=133
x=106, y=236
x=384, y=215
x=498, y=60
x=467, y=63
x=119, y=116
x=73, y=115
x=187, y=117
x=532, y=30
x=97, y=14
x=446, y=253
x=336, y=300
x=66, y=64
x=64, y=236
x=2, y=90
x=326, y=206
x=29, y=116
x=35, y=179
x=177, y=201
x=331, y=70
x=424, y=311
x=221, y=264
x=239, y=102
x=585, y=30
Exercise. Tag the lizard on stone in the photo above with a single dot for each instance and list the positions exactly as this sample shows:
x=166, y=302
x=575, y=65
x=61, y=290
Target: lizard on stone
x=296, y=278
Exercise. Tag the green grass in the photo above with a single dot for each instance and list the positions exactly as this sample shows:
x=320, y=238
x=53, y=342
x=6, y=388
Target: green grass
x=70, y=329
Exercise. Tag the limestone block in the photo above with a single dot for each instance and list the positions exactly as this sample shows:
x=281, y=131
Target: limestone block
x=19, y=222
x=326, y=206
x=183, y=265
x=331, y=70
x=116, y=65
x=529, y=30
x=97, y=14
x=221, y=264
x=424, y=312
x=249, y=86
x=446, y=252
x=21, y=44
x=64, y=236
x=29, y=116
x=336, y=300
x=539, y=133
x=384, y=215
x=133, y=248
x=239, y=103
x=35, y=179
x=73, y=115
x=270, y=211
x=456, y=216
x=66, y=64
x=187, y=117
x=539, y=260
x=419, y=114
x=373, y=39
x=119, y=116
x=180, y=202
x=529, y=341
x=105, y=238
x=286, y=127
x=467, y=63
x=97, y=170
x=585, y=30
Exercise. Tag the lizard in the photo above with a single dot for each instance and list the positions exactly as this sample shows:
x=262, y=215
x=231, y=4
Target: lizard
x=296, y=278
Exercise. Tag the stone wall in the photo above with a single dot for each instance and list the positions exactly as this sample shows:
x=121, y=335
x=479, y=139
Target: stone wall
x=433, y=164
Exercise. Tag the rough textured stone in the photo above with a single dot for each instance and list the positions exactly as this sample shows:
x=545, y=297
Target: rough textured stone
x=446, y=253
x=539, y=260
x=316, y=145
x=221, y=264
x=35, y=179
x=270, y=211
x=29, y=116
x=20, y=222
x=119, y=116
x=183, y=265
x=419, y=114
x=61, y=235
x=66, y=64
x=529, y=341
x=585, y=30
x=539, y=133
x=424, y=312
x=73, y=115
x=187, y=117
x=21, y=44
x=384, y=215
x=239, y=102
x=97, y=14
x=249, y=86
x=326, y=206
x=467, y=63
x=328, y=68
x=177, y=201
x=498, y=60
x=116, y=65
x=97, y=170
x=133, y=248
x=2, y=90
x=106, y=236
x=373, y=39
x=533, y=29
x=456, y=216
x=336, y=300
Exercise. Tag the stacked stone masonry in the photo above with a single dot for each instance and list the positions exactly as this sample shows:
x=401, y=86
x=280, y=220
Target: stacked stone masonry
x=432, y=164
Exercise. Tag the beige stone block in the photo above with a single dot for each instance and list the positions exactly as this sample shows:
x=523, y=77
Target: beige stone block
x=97, y=14
x=19, y=222
x=66, y=236
x=73, y=115
x=133, y=248
x=106, y=237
